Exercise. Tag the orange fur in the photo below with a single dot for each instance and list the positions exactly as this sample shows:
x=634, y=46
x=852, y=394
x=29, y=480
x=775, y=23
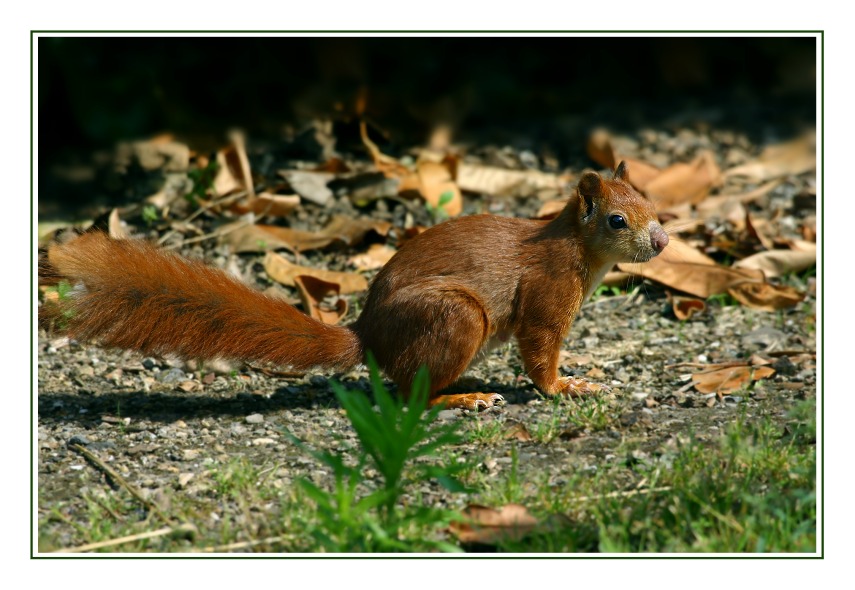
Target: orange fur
x=440, y=300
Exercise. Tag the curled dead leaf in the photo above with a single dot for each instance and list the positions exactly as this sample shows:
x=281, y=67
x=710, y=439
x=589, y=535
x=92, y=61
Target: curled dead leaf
x=282, y=270
x=313, y=291
x=686, y=307
x=765, y=296
x=727, y=379
x=233, y=173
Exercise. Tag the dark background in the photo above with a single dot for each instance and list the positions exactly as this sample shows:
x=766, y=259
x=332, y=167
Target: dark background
x=539, y=93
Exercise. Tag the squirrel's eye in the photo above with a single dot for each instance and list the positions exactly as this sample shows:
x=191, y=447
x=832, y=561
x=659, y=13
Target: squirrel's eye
x=617, y=221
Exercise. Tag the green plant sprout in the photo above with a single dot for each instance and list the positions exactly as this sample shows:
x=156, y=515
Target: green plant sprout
x=392, y=436
x=438, y=212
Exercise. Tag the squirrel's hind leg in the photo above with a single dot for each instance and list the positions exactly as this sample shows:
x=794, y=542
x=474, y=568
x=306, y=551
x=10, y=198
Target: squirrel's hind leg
x=441, y=326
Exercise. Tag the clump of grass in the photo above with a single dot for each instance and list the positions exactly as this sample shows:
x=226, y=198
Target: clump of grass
x=355, y=516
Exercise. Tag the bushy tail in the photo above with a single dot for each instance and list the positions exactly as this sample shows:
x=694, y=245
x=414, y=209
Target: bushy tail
x=129, y=294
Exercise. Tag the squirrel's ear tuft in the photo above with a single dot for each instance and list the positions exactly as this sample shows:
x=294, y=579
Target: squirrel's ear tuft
x=591, y=185
x=621, y=173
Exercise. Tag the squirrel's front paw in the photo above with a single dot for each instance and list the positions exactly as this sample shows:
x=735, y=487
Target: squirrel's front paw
x=575, y=387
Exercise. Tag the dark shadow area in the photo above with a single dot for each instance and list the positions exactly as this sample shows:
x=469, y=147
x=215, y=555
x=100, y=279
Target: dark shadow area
x=167, y=407
x=539, y=93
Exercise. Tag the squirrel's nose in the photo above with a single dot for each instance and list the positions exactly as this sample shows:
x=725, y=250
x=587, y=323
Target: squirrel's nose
x=658, y=237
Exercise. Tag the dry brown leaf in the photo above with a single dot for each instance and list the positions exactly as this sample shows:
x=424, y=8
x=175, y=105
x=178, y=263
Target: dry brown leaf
x=248, y=237
x=791, y=158
x=489, y=526
x=341, y=230
x=501, y=182
x=376, y=257
x=684, y=183
x=312, y=293
x=728, y=379
x=775, y=263
x=230, y=173
x=682, y=267
x=433, y=180
x=685, y=307
x=270, y=204
x=765, y=296
x=282, y=270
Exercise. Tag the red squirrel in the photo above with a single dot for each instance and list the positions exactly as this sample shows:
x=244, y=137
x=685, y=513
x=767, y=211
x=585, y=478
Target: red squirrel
x=447, y=295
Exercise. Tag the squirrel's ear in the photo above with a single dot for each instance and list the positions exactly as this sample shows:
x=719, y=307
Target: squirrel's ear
x=590, y=185
x=590, y=188
x=621, y=173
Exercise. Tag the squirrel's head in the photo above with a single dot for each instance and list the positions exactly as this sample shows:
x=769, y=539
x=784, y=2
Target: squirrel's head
x=619, y=224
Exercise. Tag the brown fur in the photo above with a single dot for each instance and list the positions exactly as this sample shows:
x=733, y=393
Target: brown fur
x=439, y=301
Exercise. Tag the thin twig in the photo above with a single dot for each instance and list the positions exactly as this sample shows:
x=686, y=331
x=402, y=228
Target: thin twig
x=240, y=545
x=215, y=234
x=710, y=366
x=206, y=207
x=182, y=530
x=114, y=475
